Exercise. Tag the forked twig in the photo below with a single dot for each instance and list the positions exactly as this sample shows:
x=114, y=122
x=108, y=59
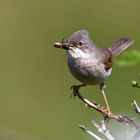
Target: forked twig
x=103, y=130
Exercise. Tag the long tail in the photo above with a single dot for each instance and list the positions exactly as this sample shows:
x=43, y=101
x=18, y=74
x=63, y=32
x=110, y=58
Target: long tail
x=120, y=45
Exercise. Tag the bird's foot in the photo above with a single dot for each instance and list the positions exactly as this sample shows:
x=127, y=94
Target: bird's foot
x=75, y=90
x=106, y=112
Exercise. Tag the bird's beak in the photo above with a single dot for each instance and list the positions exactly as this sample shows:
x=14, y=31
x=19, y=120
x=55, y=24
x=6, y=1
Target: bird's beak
x=65, y=46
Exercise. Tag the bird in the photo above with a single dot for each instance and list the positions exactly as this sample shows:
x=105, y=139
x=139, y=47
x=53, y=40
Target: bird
x=89, y=64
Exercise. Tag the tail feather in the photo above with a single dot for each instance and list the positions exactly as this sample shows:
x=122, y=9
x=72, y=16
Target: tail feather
x=120, y=45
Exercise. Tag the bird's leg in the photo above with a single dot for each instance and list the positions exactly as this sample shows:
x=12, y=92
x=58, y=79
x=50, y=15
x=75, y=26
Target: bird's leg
x=107, y=110
x=75, y=89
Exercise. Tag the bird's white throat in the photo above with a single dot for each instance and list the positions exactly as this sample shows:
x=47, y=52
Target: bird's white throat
x=77, y=53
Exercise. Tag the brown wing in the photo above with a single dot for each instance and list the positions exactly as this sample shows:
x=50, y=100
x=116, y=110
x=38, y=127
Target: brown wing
x=107, y=59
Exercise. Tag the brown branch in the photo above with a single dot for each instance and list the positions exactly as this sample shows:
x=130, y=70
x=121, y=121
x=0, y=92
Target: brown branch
x=119, y=118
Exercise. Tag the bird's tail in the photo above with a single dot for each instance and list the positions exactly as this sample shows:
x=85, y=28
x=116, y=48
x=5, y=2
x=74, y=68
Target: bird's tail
x=120, y=45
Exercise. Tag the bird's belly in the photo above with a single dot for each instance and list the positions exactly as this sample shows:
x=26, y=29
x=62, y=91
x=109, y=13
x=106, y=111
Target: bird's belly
x=88, y=72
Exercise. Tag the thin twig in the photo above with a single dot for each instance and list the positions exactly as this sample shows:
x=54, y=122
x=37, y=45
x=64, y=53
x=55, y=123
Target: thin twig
x=90, y=132
x=137, y=110
x=136, y=107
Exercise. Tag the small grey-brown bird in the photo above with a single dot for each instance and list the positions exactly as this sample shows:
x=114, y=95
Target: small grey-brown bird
x=88, y=63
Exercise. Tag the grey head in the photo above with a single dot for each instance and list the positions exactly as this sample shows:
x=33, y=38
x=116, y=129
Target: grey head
x=79, y=40
x=82, y=40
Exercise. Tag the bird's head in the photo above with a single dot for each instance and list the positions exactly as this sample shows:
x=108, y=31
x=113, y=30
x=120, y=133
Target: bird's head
x=78, y=40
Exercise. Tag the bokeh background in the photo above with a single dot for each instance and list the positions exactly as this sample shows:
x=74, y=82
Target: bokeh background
x=35, y=101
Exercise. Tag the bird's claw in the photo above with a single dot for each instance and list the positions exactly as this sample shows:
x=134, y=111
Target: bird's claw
x=75, y=90
x=106, y=112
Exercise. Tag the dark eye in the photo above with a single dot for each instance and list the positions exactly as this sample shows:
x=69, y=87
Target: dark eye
x=81, y=43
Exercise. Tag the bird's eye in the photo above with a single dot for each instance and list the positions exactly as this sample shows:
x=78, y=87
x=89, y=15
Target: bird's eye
x=81, y=43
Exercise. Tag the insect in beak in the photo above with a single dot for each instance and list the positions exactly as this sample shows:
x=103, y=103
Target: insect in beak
x=64, y=45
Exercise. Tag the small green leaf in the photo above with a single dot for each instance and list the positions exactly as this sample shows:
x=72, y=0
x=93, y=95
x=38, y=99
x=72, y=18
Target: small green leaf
x=134, y=83
x=128, y=59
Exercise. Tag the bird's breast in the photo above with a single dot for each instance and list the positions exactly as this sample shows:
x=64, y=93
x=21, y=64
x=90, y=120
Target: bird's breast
x=88, y=70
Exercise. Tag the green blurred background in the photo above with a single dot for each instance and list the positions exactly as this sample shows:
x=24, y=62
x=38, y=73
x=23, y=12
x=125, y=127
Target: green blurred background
x=35, y=99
